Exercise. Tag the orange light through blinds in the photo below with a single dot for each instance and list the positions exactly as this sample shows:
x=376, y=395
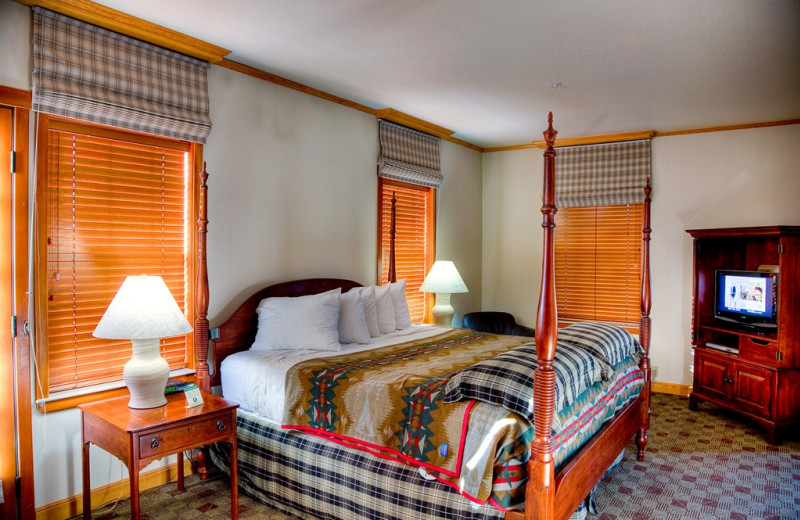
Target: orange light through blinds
x=598, y=256
x=413, y=239
x=115, y=207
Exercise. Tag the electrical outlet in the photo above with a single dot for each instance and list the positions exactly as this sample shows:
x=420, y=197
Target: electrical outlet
x=653, y=372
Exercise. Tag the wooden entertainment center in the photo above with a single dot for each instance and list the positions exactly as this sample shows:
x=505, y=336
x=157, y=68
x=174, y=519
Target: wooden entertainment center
x=754, y=372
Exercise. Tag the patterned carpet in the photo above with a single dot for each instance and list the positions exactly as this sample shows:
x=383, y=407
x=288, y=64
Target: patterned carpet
x=707, y=464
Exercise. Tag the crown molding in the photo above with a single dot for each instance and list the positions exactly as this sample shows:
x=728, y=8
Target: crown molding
x=117, y=21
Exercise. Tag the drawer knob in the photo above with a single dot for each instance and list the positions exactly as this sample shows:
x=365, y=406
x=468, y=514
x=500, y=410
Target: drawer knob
x=727, y=380
x=154, y=443
x=220, y=425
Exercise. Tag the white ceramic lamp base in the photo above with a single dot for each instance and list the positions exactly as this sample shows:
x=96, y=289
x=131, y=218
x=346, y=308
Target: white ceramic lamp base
x=146, y=375
x=442, y=311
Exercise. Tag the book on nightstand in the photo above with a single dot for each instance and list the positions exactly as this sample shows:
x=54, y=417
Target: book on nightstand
x=176, y=385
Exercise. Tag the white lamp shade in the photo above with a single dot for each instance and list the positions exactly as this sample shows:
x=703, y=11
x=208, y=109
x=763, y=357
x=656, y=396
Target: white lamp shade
x=143, y=308
x=443, y=278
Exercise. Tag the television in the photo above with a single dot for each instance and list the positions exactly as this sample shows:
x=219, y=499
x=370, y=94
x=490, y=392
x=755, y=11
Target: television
x=748, y=298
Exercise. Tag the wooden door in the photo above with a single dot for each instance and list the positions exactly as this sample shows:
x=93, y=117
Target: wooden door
x=16, y=437
x=8, y=452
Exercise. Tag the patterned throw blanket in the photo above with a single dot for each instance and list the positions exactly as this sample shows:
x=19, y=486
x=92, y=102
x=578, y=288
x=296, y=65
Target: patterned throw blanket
x=390, y=401
x=464, y=397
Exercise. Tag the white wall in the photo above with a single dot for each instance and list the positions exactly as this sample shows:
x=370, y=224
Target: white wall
x=706, y=180
x=512, y=236
x=292, y=194
x=15, y=38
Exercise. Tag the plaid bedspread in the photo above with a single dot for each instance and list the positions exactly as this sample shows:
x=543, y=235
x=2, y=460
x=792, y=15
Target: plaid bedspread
x=586, y=353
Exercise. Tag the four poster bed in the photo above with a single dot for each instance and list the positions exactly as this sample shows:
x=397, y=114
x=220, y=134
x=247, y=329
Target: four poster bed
x=480, y=426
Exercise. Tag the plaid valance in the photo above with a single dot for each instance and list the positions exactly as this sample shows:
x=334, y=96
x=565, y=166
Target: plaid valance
x=408, y=155
x=89, y=73
x=602, y=175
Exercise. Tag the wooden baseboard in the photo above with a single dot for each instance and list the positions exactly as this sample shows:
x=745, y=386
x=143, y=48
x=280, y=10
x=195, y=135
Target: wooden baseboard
x=670, y=388
x=109, y=493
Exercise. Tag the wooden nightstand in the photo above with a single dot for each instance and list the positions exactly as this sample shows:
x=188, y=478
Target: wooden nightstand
x=138, y=437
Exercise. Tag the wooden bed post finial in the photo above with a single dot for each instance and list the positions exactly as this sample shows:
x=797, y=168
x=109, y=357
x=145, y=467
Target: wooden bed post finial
x=540, y=489
x=202, y=376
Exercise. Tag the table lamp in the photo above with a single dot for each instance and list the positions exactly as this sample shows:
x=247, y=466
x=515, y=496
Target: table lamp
x=143, y=311
x=443, y=279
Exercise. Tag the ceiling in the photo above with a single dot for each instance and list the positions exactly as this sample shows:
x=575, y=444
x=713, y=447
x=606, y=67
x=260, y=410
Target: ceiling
x=491, y=70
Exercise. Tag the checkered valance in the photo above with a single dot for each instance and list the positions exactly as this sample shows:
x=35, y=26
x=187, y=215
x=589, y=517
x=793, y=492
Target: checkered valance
x=602, y=175
x=85, y=72
x=408, y=155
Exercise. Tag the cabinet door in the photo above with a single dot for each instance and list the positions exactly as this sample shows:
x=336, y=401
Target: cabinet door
x=753, y=389
x=710, y=375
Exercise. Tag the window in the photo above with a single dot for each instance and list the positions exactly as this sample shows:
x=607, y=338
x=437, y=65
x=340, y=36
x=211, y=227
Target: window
x=408, y=167
x=414, y=239
x=598, y=263
x=111, y=203
x=598, y=238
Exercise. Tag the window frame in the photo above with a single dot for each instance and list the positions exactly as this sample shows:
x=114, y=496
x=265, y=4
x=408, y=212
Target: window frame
x=46, y=400
x=430, y=239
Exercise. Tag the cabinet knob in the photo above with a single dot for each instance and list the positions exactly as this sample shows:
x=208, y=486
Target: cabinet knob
x=727, y=380
x=220, y=425
x=154, y=443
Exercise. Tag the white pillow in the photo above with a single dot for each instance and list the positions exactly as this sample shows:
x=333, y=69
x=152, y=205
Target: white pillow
x=299, y=323
x=385, y=309
x=402, y=318
x=352, y=323
x=370, y=311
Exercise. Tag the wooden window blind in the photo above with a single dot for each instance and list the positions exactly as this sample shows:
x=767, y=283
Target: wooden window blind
x=414, y=239
x=597, y=258
x=116, y=204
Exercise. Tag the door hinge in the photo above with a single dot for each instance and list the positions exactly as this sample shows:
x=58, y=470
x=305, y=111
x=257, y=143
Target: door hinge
x=13, y=327
x=779, y=356
x=781, y=249
x=13, y=158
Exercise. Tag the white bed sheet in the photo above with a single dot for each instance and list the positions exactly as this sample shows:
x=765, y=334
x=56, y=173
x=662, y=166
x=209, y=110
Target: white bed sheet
x=256, y=378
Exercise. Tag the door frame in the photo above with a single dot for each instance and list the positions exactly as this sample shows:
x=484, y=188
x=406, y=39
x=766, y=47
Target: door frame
x=22, y=491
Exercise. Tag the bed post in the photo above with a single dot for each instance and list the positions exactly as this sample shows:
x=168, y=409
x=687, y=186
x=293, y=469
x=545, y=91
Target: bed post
x=644, y=324
x=392, y=233
x=201, y=375
x=540, y=489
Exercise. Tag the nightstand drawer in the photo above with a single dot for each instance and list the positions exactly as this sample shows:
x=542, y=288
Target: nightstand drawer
x=173, y=439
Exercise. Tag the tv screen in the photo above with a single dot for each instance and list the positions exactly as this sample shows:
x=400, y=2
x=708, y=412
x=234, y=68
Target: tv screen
x=746, y=297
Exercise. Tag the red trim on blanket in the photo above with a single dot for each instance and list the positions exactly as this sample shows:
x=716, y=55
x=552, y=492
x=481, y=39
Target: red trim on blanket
x=390, y=453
